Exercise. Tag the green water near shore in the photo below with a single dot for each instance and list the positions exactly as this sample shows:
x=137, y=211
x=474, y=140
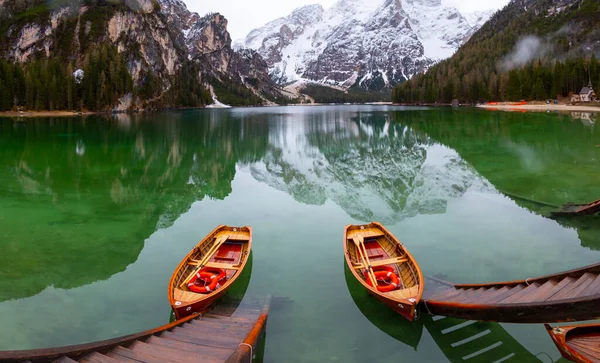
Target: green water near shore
x=95, y=214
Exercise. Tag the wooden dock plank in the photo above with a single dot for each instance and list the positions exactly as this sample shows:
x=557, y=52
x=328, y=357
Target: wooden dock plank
x=65, y=360
x=216, y=323
x=222, y=342
x=121, y=358
x=203, y=330
x=579, y=285
x=192, y=339
x=541, y=291
x=155, y=350
x=138, y=356
x=571, y=295
x=212, y=350
x=520, y=293
x=96, y=357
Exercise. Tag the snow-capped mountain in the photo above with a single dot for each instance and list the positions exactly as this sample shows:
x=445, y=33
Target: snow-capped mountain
x=373, y=44
x=478, y=18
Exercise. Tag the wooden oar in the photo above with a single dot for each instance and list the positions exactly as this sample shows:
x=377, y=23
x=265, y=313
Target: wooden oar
x=361, y=239
x=213, y=249
x=365, y=259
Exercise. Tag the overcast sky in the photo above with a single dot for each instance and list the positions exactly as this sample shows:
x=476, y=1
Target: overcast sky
x=245, y=15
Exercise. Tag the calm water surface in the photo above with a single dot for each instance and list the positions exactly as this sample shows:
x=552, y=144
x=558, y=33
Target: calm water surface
x=95, y=214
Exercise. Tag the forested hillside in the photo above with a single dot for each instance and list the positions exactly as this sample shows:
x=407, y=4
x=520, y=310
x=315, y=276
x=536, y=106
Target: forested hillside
x=531, y=49
x=102, y=55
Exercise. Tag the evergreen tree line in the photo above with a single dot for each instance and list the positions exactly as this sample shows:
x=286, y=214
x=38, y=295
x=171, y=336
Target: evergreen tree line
x=475, y=72
x=234, y=94
x=49, y=84
x=324, y=94
x=538, y=80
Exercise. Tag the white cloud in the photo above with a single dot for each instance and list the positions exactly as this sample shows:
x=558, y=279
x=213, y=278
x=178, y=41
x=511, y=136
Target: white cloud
x=244, y=15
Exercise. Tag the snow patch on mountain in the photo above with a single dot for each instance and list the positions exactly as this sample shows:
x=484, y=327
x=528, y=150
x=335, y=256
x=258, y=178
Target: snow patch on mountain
x=478, y=18
x=373, y=44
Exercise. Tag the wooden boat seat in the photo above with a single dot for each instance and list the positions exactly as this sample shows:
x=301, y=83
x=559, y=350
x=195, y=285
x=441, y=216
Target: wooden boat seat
x=224, y=266
x=224, y=258
x=368, y=234
x=389, y=261
x=407, y=293
x=216, y=265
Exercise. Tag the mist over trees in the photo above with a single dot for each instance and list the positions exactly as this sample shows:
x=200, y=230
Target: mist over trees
x=537, y=80
x=542, y=50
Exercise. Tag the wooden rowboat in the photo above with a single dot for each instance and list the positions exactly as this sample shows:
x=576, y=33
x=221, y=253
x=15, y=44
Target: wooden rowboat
x=375, y=256
x=209, y=269
x=567, y=296
x=577, y=343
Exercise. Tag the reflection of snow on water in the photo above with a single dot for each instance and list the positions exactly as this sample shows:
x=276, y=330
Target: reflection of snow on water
x=80, y=148
x=384, y=172
x=443, y=176
x=526, y=154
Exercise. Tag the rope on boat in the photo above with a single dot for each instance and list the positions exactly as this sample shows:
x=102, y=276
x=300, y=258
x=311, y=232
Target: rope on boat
x=427, y=307
x=527, y=281
x=249, y=346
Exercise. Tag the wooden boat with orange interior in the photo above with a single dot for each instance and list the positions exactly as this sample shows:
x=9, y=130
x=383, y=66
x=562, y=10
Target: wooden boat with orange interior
x=566, y=296
x=384, y=267
x=209, y=269
x=577, y=343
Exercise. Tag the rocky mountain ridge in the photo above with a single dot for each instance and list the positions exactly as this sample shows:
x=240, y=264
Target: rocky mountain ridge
x=373, y=45
x=161, y=42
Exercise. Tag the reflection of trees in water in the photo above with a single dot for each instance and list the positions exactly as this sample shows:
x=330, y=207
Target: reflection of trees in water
x=81, y=217
x=373, y=168
x=540, y=157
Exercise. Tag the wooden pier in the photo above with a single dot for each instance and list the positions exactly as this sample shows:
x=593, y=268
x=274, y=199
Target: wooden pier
x=567, y=296
x=228, y=334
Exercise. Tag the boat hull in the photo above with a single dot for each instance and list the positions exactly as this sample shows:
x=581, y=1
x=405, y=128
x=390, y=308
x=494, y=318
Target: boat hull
x=232, y=247
x=403, y=301
x=199, y=307
x=407, y=310
x=559, y=337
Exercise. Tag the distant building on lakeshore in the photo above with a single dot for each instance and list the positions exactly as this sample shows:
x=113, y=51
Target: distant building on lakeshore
x=586, y=94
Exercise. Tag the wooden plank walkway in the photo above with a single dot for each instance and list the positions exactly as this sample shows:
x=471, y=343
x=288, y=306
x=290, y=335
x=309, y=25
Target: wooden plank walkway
x=567, y=296
x=226, y=334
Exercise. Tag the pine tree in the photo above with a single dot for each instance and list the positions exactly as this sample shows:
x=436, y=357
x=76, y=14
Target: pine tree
x=540, y=90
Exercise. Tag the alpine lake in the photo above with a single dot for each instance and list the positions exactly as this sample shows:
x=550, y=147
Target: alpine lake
x=96, y=213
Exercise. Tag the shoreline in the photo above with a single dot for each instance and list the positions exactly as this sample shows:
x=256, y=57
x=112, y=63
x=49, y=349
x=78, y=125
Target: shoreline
x=32, y=114
x=45, y=113
x=497, y=107
x=541, y=107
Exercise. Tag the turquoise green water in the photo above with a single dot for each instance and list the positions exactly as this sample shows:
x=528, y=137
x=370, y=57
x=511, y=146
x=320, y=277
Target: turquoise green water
x=95, y=214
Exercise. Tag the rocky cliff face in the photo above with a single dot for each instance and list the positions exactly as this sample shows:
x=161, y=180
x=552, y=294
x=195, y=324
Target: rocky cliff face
x=373, y=45
x=157, y=38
